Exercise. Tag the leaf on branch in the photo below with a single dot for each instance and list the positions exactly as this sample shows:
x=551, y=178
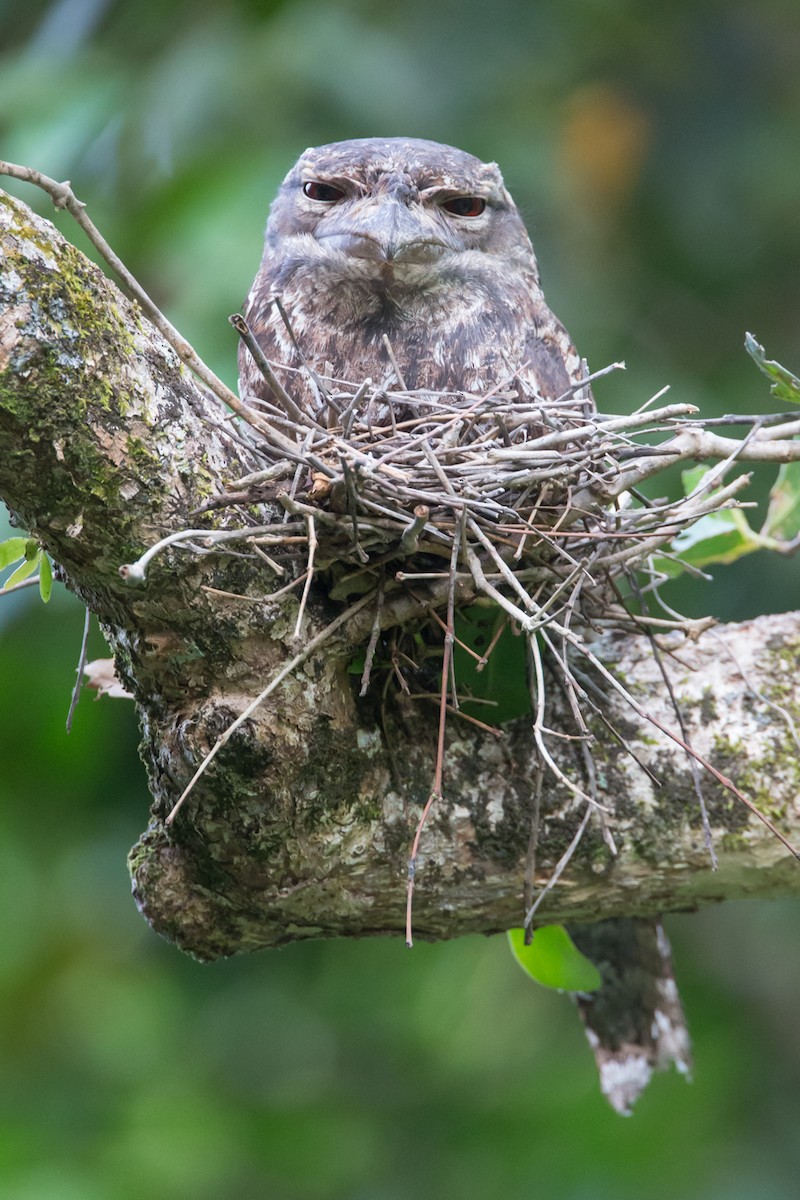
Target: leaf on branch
x=785, y=385
x=553, y=960
x=33, y=559
x=25, y=569
x=11, y=550
x=718, y=537
x=45, y=577
x=783, y=513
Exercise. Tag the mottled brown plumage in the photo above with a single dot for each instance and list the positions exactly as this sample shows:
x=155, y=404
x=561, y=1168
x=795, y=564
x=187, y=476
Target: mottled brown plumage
x=457, y=295
x=421, y=243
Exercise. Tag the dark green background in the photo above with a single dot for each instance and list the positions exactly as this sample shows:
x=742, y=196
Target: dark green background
x=654, y=152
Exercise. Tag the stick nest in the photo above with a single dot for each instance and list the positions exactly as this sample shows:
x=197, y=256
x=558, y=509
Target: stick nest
x=530, y=502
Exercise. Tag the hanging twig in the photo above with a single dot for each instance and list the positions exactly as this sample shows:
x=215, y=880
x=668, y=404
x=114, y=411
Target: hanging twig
x=561, y=865
x=76, y=690
x=369, y=654
x=529, y=877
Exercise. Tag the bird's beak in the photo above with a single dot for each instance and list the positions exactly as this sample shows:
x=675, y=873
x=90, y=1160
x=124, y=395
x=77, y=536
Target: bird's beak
x=385, y=231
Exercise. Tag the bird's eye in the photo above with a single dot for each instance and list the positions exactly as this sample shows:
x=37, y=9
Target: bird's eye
x=465, y=206
x=325, y=192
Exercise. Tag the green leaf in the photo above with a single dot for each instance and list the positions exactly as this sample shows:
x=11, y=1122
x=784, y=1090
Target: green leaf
x=691, y=478
x=22, y=572
x=783, y=514
x=717, y=538
x=12, y=549
x=504, y=679
x=553, y=959
x=785, y=385
x=45, y=577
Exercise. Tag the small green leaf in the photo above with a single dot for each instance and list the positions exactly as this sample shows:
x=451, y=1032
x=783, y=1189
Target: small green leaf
x=720, y=537
x=45, y=577
x=783, y=514
x=12, y=549
x=553, y=959
x=22, y=572
x=785, y=385
x=691, y=478
x=503, y=681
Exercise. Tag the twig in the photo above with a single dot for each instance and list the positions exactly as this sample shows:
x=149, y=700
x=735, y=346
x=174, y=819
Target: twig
x=31, y=581
x=529, y=878
x=409, y=540
x=398, y=373
x=648, y=717
x=312, y=549
x=676, y=708
x=135, y=573
x=76, y=690
x=539, y=729
x=782, y=712
x=312, y=374
x=373, y=639
x=561, y=865
x=291, y=409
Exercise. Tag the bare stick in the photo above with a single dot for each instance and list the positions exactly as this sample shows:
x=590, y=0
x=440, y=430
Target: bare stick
x=539, y=729
x=349, y=413
x=373, y=640
x=312, y=549
x=397, y=372
x=410, y=538
x=561, y=865
x=135, y=573
x=275, y=386
x=782, y=712
x=676, y=708
x=637, y=708
x=312, y=374
x=76, y=691
x=31, y=581
x=529, y=879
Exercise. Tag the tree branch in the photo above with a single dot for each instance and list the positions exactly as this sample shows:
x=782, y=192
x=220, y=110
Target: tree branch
x=302, y=824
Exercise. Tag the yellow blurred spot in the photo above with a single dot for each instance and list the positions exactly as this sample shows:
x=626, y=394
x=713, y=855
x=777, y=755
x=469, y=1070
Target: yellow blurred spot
x=604, y=144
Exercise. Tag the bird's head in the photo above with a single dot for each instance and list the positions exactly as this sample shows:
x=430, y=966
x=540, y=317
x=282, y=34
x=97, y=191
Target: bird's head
x=394, y=211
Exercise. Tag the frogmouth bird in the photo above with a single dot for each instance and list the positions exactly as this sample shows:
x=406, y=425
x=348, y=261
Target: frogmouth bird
x=396, y=256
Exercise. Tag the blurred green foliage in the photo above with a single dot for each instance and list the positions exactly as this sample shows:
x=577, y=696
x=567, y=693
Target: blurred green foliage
x=653, y=151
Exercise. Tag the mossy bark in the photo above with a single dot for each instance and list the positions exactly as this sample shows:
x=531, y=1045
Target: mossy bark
x=301, y=826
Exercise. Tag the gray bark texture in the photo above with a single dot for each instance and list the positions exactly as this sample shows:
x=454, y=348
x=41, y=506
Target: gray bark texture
x=301, y=826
